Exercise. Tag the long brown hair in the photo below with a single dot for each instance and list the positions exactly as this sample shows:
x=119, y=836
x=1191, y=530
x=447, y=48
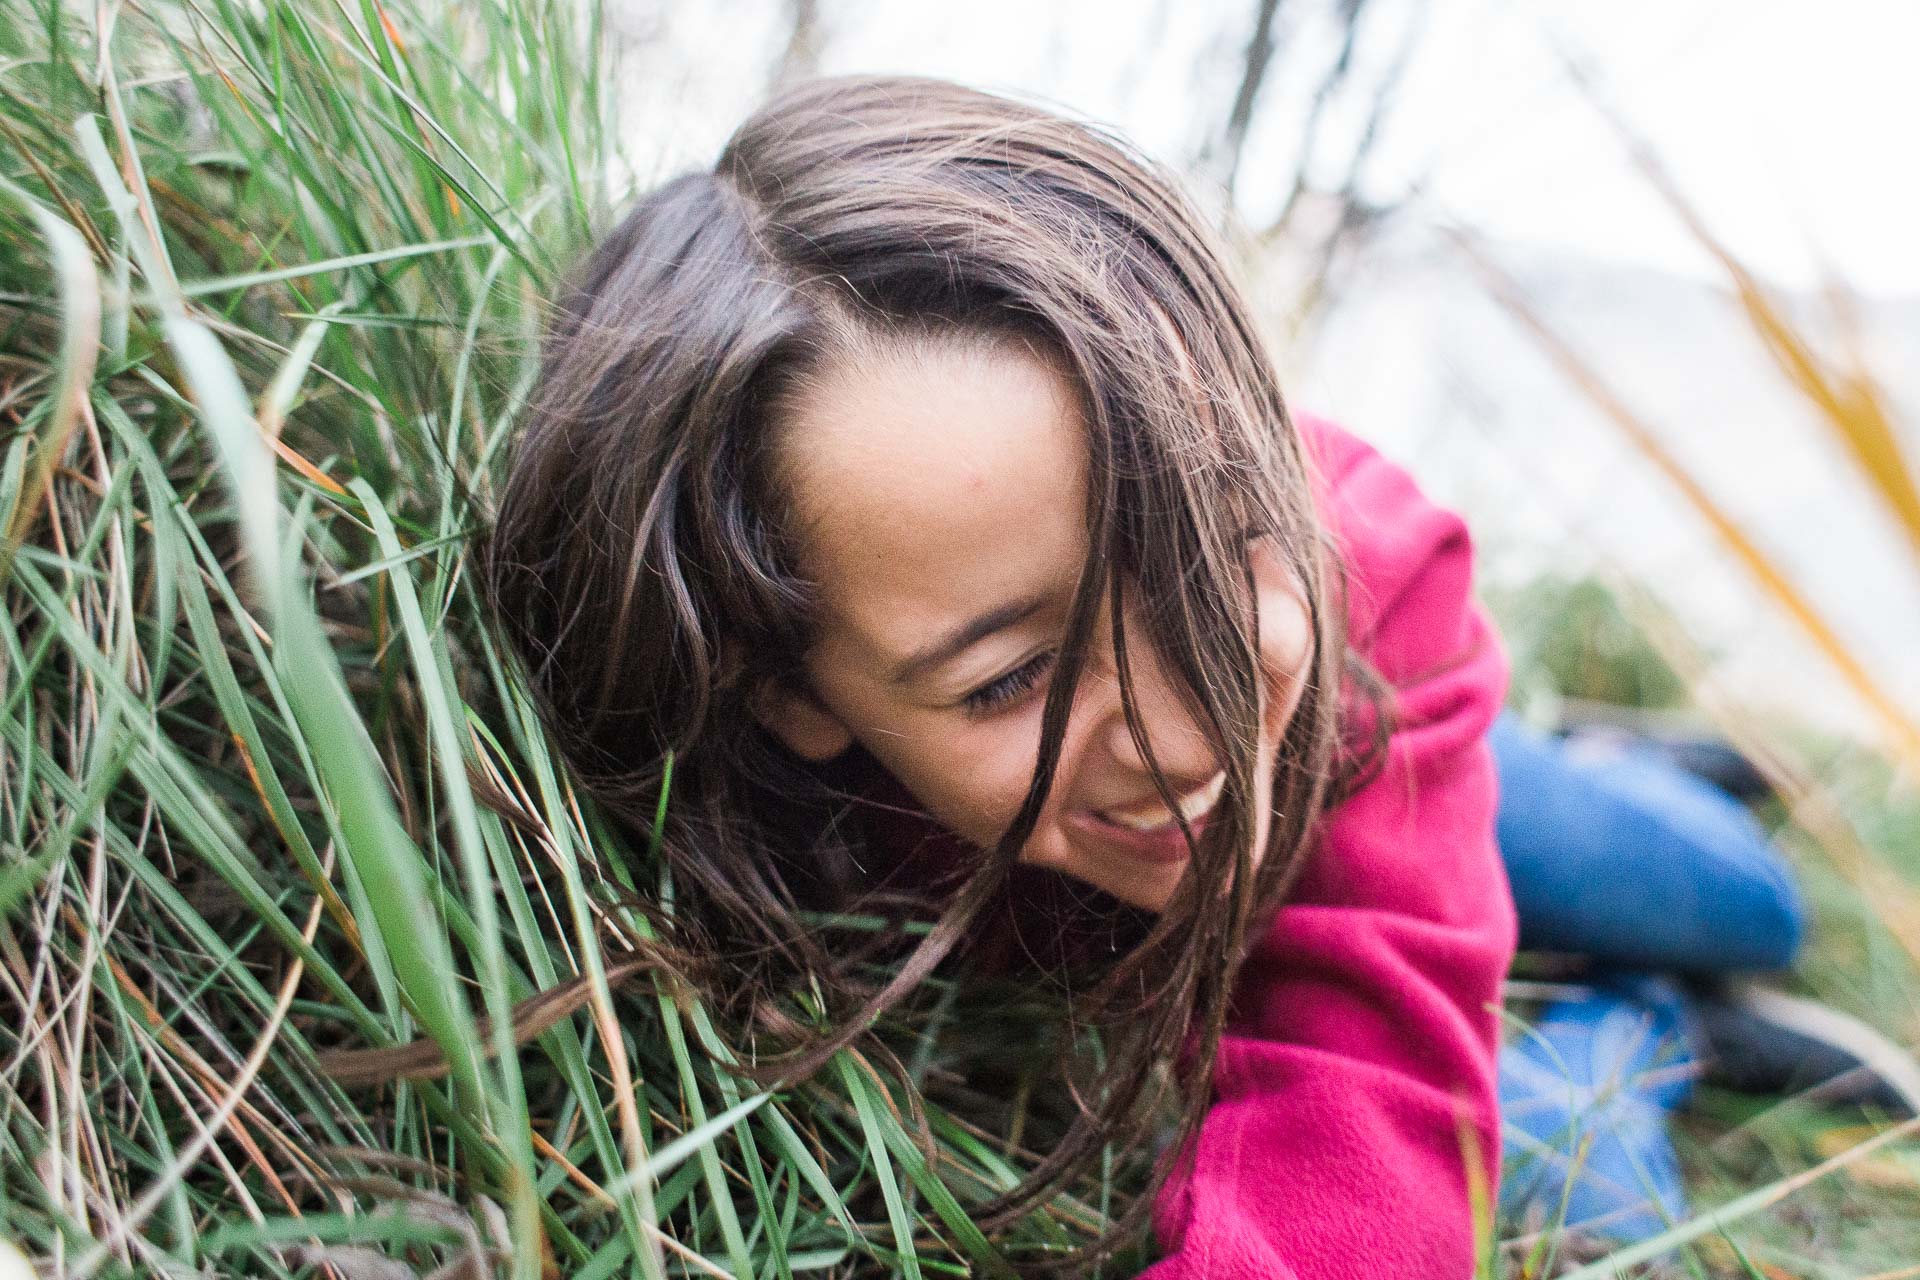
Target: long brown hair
x=640, y=566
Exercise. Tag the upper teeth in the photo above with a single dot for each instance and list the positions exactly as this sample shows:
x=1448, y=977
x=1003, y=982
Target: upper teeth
x=1159, y=815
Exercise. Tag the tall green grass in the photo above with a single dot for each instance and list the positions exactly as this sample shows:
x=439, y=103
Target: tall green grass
x=270, y=282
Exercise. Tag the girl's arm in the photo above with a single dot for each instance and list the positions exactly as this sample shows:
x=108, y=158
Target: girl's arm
x=1355, y=1084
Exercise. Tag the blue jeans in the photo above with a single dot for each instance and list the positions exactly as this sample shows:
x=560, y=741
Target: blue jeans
x=1624, y=858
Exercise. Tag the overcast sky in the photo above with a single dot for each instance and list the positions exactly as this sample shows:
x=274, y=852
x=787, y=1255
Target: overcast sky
x=1791, y=125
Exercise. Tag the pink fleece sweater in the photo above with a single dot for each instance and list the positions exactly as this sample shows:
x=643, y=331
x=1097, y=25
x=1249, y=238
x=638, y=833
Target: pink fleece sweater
x=1356, y=1079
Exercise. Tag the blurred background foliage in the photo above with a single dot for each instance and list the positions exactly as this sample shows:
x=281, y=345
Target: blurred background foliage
x=1569, y=638
x=270, y=282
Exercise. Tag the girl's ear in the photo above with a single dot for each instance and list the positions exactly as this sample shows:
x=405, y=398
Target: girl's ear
x=799, y=719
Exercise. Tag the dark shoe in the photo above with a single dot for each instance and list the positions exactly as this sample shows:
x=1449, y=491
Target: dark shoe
x=1758, y=1040
x=1679, y=739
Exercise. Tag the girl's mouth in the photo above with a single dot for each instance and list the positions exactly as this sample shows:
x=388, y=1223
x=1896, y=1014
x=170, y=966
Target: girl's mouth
x=1153, y=834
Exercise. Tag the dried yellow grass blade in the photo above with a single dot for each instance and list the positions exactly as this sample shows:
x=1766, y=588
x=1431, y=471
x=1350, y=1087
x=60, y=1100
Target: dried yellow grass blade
x=1902, y=734
x=1849, y=402
x=79, y=290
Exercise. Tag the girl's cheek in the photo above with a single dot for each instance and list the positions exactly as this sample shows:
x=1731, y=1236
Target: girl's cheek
x=993, y=764
x=1286, y=632
x=1004, y=761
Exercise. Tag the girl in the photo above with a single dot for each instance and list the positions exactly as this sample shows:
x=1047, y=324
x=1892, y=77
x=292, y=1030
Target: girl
x=916, y=486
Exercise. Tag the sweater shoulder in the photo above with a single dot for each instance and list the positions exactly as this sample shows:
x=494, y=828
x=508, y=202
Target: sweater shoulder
x=1405, y=562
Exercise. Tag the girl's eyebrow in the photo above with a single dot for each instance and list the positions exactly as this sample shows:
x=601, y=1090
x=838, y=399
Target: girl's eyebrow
x=965, y=636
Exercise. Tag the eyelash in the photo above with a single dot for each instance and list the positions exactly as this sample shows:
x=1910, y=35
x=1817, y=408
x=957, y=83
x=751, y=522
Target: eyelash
x=993, y=696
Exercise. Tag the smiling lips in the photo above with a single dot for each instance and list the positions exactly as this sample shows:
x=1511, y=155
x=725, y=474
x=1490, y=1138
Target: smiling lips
x=1152, y=818
x=1151, y=833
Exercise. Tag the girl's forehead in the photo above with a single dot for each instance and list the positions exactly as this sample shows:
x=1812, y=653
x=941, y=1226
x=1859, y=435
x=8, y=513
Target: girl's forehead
x=933, y=482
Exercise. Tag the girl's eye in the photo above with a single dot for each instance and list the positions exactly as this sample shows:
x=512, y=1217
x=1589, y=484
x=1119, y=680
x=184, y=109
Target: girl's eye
x=992, y=697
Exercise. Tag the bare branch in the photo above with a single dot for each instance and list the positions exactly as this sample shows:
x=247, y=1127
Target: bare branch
x=1259, y=56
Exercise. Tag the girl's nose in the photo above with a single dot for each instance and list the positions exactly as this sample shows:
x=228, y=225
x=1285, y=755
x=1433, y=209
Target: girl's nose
x=1178, y=743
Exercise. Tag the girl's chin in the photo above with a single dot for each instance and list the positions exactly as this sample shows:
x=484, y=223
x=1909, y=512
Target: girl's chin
x=1119, y=868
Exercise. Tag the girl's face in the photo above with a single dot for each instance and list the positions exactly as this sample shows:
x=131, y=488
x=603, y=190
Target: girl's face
x=938, y=499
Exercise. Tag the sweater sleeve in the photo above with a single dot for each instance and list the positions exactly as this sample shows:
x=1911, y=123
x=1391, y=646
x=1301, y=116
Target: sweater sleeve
x=1356, y=1081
